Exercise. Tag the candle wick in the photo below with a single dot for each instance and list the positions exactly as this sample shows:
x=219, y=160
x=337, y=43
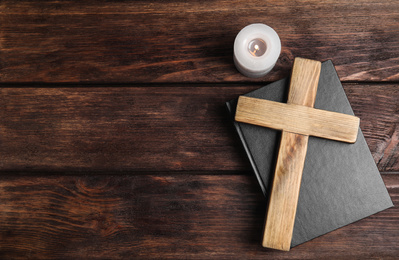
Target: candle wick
x=257, y=47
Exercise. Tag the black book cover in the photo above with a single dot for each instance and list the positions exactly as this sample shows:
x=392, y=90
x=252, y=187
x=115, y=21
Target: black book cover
x=340, y=184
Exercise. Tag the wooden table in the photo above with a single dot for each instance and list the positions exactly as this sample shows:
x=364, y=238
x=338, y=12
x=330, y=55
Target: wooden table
x=115, y=143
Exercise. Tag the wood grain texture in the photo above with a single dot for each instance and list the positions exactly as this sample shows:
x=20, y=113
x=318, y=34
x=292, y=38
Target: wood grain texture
x=382, y=128
x=121, y=167
x=297, y=119
x=304, y=81
x=179, y=128
x=192, y=41
x=280, y=215
x=168, y=217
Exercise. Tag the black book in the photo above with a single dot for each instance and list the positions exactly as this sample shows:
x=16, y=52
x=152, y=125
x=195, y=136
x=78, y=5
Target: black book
x=340, y=184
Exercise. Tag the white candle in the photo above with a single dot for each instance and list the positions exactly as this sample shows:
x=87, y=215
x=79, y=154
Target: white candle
x=256, y=50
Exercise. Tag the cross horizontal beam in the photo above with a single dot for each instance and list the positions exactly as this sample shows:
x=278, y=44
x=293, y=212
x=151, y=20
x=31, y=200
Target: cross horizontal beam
x=297, y=119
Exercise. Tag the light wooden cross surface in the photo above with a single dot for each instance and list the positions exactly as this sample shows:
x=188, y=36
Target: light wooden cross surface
x=298, y=120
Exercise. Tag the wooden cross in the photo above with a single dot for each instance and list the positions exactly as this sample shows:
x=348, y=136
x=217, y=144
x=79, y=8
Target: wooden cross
x=298, y=120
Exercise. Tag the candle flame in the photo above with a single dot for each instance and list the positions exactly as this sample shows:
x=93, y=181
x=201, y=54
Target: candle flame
x=257, y=47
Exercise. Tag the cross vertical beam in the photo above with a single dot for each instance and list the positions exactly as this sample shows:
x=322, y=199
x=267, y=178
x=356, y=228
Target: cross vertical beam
x=283, y=202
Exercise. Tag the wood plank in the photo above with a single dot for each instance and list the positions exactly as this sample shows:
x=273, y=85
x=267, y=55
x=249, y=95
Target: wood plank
x=155, y=128
x=175, y=41
x=381, y=128
x=280, y=217
x=297, y=119
x=281, y=209
x=168, y=217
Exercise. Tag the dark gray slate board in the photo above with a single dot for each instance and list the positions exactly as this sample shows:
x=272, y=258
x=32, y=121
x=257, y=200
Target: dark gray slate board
x=341, y=183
